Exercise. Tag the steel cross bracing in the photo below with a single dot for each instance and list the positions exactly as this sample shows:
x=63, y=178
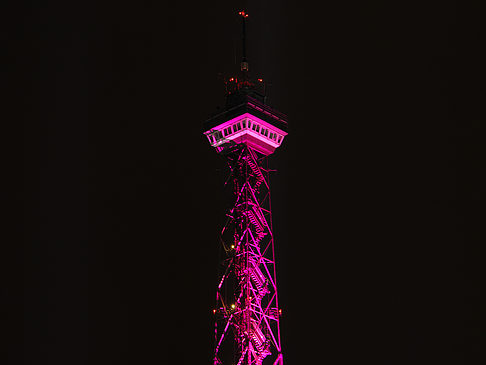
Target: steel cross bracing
x=247, y=329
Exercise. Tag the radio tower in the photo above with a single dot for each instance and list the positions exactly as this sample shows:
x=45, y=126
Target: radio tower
x=247, y=329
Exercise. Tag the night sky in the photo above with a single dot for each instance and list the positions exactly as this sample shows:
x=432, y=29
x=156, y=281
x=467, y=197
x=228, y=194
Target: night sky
x=378, y=201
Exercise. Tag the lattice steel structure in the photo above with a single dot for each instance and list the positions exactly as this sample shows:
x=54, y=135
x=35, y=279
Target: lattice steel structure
x=247, y=328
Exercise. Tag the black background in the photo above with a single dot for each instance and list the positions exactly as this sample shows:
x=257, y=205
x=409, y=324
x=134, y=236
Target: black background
x=378, y=199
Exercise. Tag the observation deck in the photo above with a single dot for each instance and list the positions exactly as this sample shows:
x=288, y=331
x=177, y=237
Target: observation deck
x=247, y=120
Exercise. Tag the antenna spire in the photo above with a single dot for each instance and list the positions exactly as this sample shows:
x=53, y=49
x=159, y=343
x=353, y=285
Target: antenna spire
x=243, y=85
x=244, y=62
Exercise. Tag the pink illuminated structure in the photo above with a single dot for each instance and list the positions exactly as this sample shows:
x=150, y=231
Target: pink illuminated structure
x=247, y=327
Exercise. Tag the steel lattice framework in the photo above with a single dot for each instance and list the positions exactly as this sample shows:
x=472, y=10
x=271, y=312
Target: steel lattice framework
x=247, y=314
x=247, y=327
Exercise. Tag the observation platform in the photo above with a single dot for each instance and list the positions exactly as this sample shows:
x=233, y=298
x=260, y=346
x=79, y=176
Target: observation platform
x=247, y=120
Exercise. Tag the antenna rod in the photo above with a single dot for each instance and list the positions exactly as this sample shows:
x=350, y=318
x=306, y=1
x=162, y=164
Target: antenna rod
x=244, y=63
x=244, y=39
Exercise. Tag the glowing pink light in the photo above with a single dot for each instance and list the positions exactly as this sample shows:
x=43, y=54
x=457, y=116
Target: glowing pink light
x=252, y=311
x=250, y=130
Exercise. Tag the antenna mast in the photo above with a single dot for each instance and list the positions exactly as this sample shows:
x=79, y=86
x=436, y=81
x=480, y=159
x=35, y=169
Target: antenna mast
x=244, y=62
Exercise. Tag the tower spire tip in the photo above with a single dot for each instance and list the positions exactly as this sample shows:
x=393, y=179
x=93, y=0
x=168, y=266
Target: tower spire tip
x=244, y=62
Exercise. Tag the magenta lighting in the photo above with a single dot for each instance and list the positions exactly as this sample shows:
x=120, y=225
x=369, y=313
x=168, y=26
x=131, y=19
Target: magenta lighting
x=247, y=314
x=248, y=129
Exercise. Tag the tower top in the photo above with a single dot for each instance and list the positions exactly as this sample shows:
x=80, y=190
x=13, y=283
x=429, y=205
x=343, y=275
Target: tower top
x=242, y=84
x=246, y=119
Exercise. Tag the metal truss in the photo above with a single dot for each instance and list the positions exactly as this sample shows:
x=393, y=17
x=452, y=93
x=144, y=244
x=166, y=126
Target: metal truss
x=247, y=329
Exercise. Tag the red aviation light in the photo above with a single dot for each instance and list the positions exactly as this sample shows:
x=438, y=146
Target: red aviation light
x=261, y=80
x=243, y=14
